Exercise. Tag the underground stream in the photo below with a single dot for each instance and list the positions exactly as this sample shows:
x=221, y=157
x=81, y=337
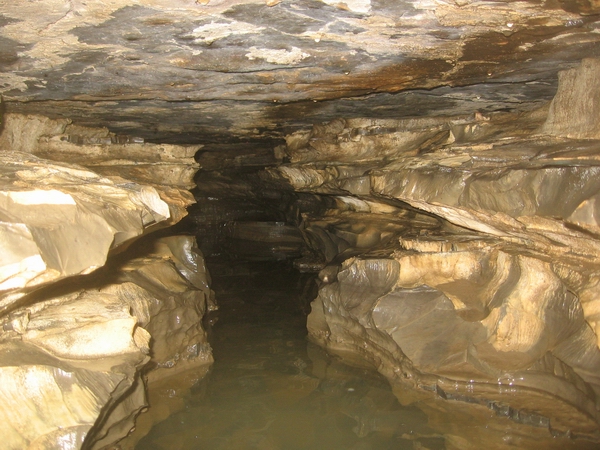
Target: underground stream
x=270, y=388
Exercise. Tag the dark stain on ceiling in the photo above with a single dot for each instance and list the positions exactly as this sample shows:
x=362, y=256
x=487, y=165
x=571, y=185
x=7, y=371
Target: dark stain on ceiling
x=231, y=72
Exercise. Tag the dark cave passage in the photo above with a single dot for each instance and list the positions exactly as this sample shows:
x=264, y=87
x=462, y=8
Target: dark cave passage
x=270, y=388
x=277, y=252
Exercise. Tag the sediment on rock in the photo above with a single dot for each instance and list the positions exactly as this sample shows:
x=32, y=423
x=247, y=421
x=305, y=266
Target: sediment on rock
x=437, y=162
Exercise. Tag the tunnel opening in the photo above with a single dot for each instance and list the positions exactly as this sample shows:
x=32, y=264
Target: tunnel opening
x=332, y=300
x=266, y=243
x=344, y=288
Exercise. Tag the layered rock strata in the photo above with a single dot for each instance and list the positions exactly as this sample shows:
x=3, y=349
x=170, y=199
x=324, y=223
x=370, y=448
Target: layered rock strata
x=461, y=254
x=60, y=220
x=100, y=150
x=223, y=70
x=77, y=336
x=73, y=358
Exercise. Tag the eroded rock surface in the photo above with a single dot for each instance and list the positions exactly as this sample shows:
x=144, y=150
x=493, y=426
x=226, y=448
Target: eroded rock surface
x=484, y=289
x=61, y=220
x=167, y=69
x=100, y=150
x=468, y=203
x=76, y=335
x=73, y=358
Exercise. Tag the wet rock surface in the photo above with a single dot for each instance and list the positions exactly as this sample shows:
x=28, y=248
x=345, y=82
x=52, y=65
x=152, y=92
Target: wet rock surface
x=61, y=220
x=102, y=151
x=76, y=335
x=271, y=388
x=435, y=161
x=482, y=290
x=72, y=359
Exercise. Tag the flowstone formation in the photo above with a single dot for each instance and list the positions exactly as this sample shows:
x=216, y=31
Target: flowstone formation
x=460, y=255
x=78, y=336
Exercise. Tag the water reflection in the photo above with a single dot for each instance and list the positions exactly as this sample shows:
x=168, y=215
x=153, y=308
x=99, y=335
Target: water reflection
x=270, y=389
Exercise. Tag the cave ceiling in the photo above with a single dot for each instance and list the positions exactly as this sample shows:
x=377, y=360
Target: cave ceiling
x=221, y=71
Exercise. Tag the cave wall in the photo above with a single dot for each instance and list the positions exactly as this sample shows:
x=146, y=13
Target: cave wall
x=436, y=161
x=94, y=306
x=460, y=255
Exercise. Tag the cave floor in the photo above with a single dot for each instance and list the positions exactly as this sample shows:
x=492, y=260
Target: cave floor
x=269, y=388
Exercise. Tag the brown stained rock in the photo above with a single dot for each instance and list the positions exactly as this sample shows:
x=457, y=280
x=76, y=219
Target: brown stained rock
x=473, y=281
x=169, y=293
x=69, y=362
x=415, y=331
x=63, y=219
x=125, y=63
x=498, y=295
x=72, y=353
x=575, y=111
x=461, y=241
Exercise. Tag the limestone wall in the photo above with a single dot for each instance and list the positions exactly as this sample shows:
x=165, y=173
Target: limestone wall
x=461, y=255
x=88, y=316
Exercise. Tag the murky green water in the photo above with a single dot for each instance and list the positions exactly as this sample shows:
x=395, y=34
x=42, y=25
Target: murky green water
x=271, y=389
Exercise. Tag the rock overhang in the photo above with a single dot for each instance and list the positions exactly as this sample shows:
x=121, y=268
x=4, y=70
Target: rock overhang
x=231, y=71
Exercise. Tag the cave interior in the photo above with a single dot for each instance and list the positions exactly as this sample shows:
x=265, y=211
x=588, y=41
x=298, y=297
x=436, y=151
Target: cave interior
x=430, y=170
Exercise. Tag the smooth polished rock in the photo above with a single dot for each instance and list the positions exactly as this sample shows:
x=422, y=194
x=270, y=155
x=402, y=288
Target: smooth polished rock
x=78, y=344
x=72, y=360
x=60, y=220
x=169, y=292
x=167, y=288
x=535, y=344
x=493, y=297
x=63, y=373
